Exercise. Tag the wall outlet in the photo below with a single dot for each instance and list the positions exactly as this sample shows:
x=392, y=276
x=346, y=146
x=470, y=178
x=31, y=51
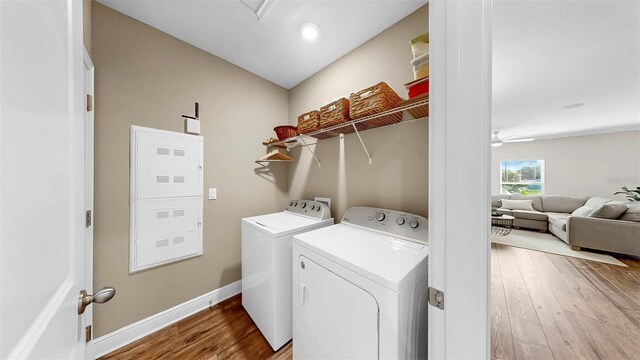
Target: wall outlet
x=213, y=193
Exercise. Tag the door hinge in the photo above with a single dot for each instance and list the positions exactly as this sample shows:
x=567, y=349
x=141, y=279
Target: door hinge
x=436, y=298
x=88, y=218
x=89, y=102
x=87, y=333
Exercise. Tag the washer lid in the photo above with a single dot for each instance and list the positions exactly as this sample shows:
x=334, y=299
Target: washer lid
x=387, y=260
x=283, y=223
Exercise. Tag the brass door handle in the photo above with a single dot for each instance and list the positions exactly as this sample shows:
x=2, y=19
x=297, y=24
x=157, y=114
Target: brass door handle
x=102, y=296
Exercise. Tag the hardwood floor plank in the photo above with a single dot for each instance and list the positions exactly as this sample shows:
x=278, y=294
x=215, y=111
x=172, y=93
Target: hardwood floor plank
x=516, y=294
x=627, y=306
x=625, y=279
x=501, y=339
x=579, y=296
x=599, y=343
x=529, y=340
x=223, y=332
x=562, y=339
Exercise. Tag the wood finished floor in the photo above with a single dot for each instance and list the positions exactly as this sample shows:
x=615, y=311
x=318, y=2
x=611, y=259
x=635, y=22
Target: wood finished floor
x=544, y=306
x=547, y=306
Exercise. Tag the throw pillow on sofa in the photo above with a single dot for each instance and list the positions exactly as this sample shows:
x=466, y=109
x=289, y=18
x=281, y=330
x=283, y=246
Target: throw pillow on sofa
x=582, y=211
x=517, y=204
x=632, y=213
x=609, y=211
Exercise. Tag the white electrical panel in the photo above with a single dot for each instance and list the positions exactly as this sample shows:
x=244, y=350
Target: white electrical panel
x=166, y=197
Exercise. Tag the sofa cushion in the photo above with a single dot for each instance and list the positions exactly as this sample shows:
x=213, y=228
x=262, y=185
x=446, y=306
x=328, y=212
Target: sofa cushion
x=505, y=212
x=517, y=204
x=596, y=202
x=563, y=204
x=592, y=204
x=632, y=213
x=554, y=217
x=535, y=200
x=561, y=223
x=609, y=211
x=496, y=200
x=583, y=211
x=531, y=215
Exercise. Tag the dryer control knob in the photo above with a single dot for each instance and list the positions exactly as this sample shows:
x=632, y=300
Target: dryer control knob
x=414, y=224
x=313, y=207
x=381, y=216
x=400, y=221
x=290, y=203
x=303, y=205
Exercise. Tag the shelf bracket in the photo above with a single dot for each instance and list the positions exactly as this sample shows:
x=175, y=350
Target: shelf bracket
x=362, y=143
x=310, y=151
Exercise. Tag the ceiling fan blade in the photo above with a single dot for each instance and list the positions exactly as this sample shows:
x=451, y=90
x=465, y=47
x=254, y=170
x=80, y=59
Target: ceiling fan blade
x=519, y=140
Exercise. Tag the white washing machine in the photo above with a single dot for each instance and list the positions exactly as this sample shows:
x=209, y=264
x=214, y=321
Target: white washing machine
x=266, y=265
x=360, y=288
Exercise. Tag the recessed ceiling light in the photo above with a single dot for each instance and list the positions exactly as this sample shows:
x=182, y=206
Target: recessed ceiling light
x=309, y=31
x=572, y=106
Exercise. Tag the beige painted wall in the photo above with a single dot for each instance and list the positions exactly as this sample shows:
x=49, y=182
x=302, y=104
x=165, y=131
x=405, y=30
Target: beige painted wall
x=397, y=179
x=145, y=77
x=596, y=165
x=87, y=6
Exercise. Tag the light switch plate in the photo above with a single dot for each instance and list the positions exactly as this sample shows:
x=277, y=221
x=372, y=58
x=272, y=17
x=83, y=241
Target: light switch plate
x=213, y=193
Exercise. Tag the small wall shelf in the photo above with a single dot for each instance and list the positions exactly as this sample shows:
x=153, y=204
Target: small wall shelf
x=410, y=110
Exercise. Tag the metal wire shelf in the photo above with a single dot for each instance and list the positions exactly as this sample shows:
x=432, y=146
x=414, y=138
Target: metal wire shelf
x=410, y=110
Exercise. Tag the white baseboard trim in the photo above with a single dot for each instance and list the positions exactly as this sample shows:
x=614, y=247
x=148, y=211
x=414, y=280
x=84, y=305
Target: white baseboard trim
x=130, y=333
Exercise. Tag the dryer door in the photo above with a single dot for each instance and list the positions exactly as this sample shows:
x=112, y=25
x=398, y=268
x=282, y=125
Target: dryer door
x=337, y=316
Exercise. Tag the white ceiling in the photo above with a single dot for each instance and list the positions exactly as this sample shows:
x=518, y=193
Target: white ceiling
x=272, y=46
x=549, y=54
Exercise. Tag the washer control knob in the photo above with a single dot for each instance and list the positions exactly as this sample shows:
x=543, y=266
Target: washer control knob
x=318, y=208
x=304, y=205
x=414, y=224
x=381, y=216
x=400, y=221
x=295, y=203
x=290, y=203
x=313, y=207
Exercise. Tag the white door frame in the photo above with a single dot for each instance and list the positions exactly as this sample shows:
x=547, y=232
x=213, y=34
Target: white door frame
x=459, y=177
x=89, y=76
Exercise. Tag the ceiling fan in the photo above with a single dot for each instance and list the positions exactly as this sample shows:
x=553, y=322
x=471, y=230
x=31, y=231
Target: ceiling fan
x=496, y=141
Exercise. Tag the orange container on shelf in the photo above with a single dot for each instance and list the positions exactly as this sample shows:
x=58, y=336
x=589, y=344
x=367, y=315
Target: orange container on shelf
x=417, y=87
x=285, y=132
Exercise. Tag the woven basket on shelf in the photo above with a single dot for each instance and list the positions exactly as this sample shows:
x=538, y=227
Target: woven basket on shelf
x=334, y=113
x=372, y=100
x=309, y=122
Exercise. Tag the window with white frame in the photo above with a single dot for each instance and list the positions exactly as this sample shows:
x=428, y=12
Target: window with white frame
x=522, y=177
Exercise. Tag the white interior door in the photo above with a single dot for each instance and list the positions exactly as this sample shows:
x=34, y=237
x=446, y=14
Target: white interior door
x=42, y=179
x=459, y=177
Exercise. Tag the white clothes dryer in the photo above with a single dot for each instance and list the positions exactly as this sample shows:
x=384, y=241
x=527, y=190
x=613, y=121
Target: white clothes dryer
x=360, y=287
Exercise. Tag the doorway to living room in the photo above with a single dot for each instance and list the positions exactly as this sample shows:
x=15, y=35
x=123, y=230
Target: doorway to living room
x=565, y=167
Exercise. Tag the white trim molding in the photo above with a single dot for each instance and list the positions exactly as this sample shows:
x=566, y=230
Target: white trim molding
x=130, y=333
x=460, y=172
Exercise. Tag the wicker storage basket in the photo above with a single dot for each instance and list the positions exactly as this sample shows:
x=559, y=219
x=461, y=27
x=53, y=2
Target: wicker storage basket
x=334, y=113
x=372, y=100
x=309, y=122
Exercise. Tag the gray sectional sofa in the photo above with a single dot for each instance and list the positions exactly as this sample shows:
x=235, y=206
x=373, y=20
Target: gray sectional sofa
x=580, y=221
